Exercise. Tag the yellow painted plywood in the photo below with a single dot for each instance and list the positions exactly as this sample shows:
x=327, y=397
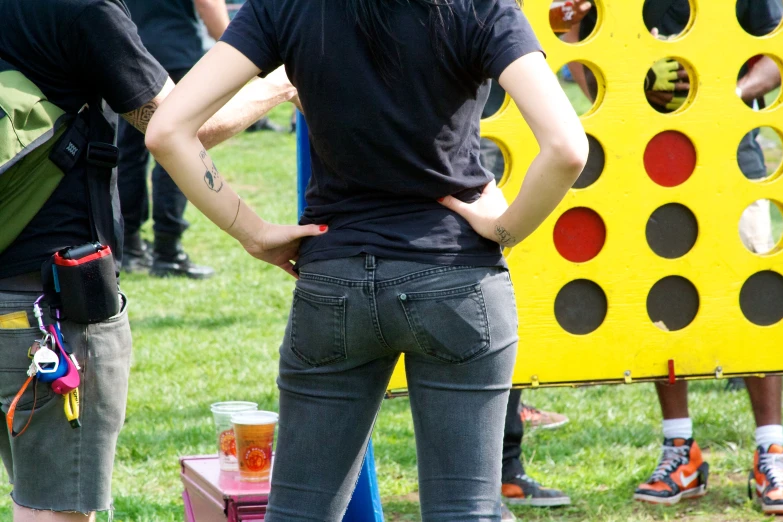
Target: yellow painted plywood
x=627, y=343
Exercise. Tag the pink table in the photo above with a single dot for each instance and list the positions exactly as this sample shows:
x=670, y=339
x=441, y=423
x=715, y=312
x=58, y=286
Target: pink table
x=212, y=495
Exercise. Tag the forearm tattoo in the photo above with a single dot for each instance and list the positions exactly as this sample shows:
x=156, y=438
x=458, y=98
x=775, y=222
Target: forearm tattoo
x=141, y=117
x=211, y=176
x=504, y=236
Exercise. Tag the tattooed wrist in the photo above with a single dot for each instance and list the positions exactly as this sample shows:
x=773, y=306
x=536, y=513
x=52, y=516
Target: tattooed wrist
x=211, y=177
x=504, y=237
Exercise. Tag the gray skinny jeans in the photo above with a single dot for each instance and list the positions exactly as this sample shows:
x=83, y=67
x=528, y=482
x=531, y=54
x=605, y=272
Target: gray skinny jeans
x=350, y=321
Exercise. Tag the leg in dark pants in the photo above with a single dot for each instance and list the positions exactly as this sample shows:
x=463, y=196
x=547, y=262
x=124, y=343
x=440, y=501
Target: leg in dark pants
x=512, y=438
x=168, y=209
x=132, y=177
x=517, y=487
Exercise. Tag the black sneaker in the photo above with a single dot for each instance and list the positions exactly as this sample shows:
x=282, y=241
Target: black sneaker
x=523, y=490
x=136, y=255
x=169, y=259
x=265, y=124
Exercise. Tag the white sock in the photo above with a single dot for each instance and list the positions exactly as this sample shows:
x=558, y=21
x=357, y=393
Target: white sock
x=769, y=435
x=678, y=428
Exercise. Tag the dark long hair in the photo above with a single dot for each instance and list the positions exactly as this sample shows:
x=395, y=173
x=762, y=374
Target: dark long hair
x=373, y=18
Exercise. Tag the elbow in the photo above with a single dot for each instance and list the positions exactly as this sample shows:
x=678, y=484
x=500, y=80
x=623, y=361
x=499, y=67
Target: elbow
x=157, y=136
x=571, y=155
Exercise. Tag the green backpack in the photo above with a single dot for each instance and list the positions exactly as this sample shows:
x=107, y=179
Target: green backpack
x=30, y=127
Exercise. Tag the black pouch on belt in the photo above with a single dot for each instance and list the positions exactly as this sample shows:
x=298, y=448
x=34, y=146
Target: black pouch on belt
x=86, y=283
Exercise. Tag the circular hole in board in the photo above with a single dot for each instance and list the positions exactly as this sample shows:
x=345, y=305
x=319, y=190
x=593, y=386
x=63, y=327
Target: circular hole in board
x=672, y=230
x=580, y=307
x=761, y=298
x=579, y=234
x=670, y=158
x=672, y=303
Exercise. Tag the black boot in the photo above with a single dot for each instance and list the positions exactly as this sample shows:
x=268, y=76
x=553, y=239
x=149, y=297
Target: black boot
x=169, y=259
x=136, y=256
x=265, y=124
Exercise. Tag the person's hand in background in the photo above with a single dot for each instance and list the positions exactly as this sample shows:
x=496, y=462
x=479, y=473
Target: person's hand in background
x=667, y=83
x=564, y=15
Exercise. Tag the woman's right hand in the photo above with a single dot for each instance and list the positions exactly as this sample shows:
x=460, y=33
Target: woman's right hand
x=484, y=214
x=279, y=244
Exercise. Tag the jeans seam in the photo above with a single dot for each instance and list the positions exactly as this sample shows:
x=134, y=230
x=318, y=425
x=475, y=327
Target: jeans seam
x=435, y=294
x=423, y=273
x=371, y=285
x=331, y=280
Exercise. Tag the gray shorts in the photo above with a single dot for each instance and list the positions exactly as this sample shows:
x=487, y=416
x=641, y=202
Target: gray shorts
x=52, y=466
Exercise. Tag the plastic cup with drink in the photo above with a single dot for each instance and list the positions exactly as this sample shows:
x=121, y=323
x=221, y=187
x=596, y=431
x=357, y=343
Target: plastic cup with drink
x=255, y=437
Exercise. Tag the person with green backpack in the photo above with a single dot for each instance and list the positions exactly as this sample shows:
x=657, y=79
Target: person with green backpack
x=59, y=214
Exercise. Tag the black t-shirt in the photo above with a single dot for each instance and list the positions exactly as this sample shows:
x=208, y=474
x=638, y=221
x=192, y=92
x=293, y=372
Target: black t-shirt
x=75, y=51
x=382, y=153
x=169, y=30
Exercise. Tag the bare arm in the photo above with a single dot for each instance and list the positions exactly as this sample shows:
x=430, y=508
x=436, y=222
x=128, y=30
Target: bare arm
x=763, y=77
x=561, y=138
x=249, y=105
x=173, y=138
x=215, y=16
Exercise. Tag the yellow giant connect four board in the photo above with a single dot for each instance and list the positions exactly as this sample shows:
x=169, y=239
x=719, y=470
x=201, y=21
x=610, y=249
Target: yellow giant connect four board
x=588, y=321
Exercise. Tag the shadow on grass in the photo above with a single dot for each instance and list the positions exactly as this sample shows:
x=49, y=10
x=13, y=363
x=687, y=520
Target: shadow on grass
x=187, y=321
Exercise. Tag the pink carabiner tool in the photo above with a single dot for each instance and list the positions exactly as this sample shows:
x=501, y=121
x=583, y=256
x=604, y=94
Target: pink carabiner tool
x=71, y=380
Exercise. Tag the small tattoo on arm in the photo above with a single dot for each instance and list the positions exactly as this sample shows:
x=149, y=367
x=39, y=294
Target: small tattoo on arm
x=504, y=236
x=141, y=117
x=211, y=176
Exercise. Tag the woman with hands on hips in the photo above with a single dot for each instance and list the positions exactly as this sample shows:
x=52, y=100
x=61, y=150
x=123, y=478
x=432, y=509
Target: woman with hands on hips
x=399, y=248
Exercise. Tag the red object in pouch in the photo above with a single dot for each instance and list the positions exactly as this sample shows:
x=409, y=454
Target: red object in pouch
x=212, y=495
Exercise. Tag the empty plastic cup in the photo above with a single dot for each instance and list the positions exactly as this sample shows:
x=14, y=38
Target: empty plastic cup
x=226, y=441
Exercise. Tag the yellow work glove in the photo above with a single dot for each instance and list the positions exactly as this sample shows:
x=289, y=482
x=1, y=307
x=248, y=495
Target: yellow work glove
x=677, y=100
x=662, y=75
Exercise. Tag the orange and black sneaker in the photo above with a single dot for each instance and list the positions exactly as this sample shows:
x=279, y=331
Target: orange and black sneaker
x=768, y=475
x=536, y=418
x=681, y=473
x=523, y=490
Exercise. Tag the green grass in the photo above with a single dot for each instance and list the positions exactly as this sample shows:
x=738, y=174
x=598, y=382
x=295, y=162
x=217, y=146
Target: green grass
x=200, y=342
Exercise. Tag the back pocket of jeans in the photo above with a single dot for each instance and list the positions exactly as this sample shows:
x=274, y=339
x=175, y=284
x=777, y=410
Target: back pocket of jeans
x=318, y=328
x=450, y=325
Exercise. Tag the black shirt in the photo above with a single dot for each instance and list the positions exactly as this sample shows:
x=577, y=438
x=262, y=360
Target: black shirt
x=169, y=30
x=382, y=153
x=75, y=51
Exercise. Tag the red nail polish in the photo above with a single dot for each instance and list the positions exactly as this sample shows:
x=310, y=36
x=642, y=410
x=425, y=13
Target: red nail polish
x=322, y=228
x=440, y=200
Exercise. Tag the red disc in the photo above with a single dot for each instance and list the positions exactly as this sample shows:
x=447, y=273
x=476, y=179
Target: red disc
x=579, y=234
x=670, y=158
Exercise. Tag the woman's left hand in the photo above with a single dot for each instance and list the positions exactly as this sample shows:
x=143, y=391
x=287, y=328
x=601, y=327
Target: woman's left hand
x=279, y=244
